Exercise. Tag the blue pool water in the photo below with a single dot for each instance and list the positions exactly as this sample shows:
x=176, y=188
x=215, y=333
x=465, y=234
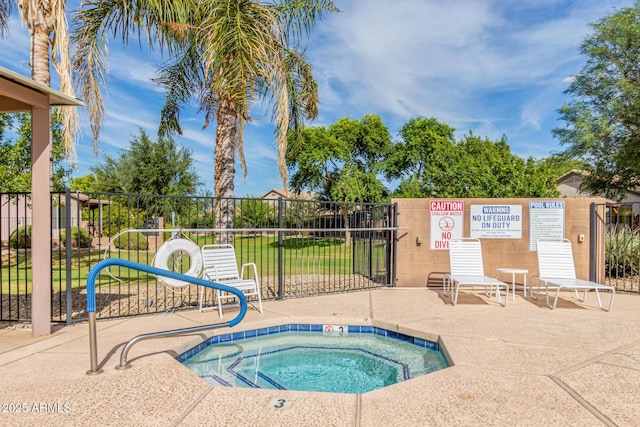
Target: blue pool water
x=341, y=359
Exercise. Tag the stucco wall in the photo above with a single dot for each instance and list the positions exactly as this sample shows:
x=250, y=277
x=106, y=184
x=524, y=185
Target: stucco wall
x=415, y=261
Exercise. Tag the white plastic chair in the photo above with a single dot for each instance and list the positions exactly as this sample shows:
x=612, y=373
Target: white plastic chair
x=556, y=269
x=466, y=269
x=220, y=266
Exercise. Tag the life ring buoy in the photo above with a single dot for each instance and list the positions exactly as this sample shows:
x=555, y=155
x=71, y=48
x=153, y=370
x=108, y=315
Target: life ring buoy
x=169, y=248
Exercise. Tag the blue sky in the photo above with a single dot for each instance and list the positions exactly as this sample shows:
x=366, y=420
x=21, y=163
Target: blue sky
x=495, y=67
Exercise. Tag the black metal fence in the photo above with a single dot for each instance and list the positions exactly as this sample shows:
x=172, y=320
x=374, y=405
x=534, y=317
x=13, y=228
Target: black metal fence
x=616, y=238
x=300, y=247
x=15, y=270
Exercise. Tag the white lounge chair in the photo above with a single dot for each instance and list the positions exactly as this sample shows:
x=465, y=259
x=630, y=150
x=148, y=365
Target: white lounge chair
x=220, y=266
x=556, y=269
x=466, y=269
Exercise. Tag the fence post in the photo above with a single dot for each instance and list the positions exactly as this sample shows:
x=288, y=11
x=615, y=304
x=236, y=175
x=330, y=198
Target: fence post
x=67, y=247
x=280, y=255
x=371, y=237
x=394, y=238
x=593, y=239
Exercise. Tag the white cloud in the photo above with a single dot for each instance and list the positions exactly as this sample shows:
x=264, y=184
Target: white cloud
x=135, y=66
x=137, y=120
x=492, y=66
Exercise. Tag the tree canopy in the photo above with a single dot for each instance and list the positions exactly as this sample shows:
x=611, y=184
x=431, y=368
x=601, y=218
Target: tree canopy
x=421, y=141
x=85, y=183
x=147, y=167
x=430, y=163
x=15, y=153
x=602, y=124
x=341, y=162
x=345, y=163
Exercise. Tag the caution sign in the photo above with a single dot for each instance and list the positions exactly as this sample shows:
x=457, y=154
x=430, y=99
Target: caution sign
x=446, y=222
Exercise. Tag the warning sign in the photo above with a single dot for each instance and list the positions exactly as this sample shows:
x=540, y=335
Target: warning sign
x=446, y=222
x=496, y=221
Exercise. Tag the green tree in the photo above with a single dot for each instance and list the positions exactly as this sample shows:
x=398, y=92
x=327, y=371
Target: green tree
x=602, y=125
x=342, y=162
x=480, y=167
x=6, y=122
x=409, y=158
x=148, y=167
x=15, y=154
x=122, y=214
x=560, y=163
x=255, y=213
x=85, y=183
x=430, y=163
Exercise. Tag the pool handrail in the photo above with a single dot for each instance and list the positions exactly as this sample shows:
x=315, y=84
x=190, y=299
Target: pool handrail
x=91, y=307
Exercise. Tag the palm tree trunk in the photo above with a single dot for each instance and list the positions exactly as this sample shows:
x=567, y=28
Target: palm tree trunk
x=40, y=71
x=224, y=166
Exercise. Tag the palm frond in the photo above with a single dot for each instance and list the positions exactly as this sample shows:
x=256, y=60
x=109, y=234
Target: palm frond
x=62, y=64
x=182, y=80
x=238, y=39
x=298, y=17
x=97, y=19
x=208, y=102
x=5, y=13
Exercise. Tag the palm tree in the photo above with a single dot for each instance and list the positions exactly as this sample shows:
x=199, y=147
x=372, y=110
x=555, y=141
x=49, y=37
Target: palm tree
x=47, y=25
x=227, y=54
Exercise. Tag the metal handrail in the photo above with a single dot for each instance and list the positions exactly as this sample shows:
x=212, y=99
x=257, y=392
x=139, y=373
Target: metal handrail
x=91, y=308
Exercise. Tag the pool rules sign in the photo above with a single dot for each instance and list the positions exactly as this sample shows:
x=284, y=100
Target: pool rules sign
x=446, y=222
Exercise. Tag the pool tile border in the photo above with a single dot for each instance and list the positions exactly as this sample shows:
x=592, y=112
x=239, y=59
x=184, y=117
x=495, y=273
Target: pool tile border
x=306, y=327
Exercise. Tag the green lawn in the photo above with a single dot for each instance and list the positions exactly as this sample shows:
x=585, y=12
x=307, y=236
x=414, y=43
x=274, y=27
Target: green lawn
x=16, y=274
x=300, y=255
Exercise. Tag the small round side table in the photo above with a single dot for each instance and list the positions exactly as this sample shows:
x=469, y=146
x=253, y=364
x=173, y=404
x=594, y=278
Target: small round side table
x=513, y=272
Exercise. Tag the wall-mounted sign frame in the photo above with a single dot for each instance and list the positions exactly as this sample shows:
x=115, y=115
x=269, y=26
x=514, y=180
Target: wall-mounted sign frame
x=546, y=221
x=447, y=222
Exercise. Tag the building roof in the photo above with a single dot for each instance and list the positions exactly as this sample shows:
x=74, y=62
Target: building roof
x=20, y=93
x=288, y=194
x=87, y=202
x=566, y=175
x=580, y=174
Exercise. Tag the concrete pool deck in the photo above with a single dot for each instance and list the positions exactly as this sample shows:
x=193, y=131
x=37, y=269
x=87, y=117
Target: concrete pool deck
x=519, y=365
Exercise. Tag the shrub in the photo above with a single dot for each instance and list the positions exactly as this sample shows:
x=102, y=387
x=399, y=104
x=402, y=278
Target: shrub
x=132, y=241
x=253, y=213
x=120, y=215
x=20, y=238
x=622, y=247
x=80, y=237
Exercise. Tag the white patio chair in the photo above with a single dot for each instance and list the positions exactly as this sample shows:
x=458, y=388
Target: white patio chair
x=466, y=269
x=556, y=269
x=220, y=266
